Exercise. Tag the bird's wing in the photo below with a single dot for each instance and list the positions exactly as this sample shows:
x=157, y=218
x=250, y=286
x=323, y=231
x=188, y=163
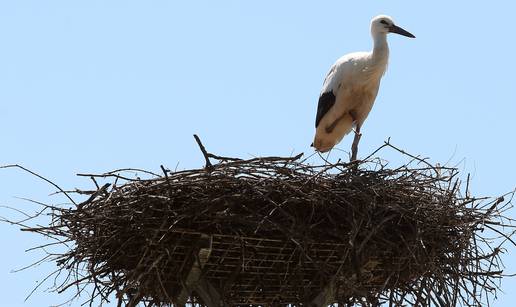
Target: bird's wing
x=326, y=101
x=327, y=97
x=339, y=72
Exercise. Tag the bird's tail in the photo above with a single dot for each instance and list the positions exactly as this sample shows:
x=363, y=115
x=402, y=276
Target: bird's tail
x=325, y=141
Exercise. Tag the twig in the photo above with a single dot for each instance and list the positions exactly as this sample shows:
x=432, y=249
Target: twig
x=208, y=166
x=40, y=177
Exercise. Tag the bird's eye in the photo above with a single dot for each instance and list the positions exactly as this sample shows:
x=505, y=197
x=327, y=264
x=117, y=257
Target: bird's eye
x=384, y=22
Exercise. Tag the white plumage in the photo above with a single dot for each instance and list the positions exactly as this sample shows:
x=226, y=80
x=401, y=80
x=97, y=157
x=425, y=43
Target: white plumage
x=351, y=86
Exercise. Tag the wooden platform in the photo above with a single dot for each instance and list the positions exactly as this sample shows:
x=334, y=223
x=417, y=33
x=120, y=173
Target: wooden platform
x=236, y=270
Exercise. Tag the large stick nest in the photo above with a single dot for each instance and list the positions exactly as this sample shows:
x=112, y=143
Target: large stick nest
x=279, y=231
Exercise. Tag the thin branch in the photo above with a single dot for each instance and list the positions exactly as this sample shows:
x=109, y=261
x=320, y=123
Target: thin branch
x=40, y=177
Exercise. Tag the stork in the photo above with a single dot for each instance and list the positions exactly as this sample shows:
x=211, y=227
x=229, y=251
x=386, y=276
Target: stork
x=350, y=88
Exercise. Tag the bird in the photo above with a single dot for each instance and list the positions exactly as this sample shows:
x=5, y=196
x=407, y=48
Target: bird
x=350, y=88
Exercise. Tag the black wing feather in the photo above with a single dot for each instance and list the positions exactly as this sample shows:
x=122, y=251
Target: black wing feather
x=326, y=101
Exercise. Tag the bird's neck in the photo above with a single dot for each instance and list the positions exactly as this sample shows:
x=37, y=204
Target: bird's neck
x=380, y=47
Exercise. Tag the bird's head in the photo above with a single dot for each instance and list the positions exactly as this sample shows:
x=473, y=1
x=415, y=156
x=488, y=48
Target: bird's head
x=383, y=24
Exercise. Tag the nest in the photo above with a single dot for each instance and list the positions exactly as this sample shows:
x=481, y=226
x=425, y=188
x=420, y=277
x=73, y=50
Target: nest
x=278, y=231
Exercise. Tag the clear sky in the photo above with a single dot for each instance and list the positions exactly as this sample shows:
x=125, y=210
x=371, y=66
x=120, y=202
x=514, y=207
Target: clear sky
x=91, y=86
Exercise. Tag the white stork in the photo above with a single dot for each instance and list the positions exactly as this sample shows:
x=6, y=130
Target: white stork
x=350, y=88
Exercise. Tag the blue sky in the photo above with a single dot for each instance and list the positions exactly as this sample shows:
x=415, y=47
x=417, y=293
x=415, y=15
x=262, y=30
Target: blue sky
x=91, y=86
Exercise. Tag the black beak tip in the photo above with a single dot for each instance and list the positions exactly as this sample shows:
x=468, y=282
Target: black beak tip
x=401, y=31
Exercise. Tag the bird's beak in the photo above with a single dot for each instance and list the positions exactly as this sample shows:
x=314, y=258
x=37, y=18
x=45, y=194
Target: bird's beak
x=399, y=30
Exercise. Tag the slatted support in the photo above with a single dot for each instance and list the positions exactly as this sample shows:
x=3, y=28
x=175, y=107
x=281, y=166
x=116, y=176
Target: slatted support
x=194, y=281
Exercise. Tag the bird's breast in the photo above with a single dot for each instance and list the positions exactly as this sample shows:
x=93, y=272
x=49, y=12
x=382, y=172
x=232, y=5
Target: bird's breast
x=358, y=93
x=358, y=98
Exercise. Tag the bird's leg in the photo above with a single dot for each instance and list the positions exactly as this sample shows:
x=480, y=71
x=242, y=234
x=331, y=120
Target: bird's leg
x=354, y=145
x=356, y=139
